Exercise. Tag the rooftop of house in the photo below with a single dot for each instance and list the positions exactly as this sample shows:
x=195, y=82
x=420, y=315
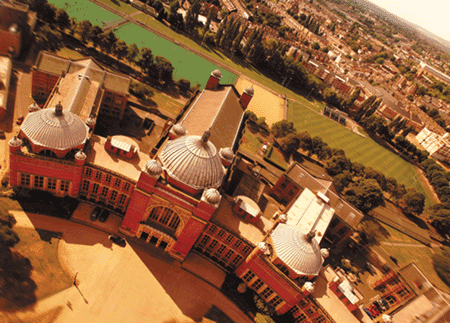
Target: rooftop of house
x=99, y=157
x=227, y=219
x=343, y=209
x=218, y=110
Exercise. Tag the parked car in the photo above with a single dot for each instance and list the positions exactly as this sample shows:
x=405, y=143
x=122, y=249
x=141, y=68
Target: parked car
x=371, y=268
x=95, y=213
x=19, y=120
x=118, y=240
x=2, y=134
x=104, y=215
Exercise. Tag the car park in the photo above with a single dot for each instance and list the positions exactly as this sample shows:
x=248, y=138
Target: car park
x=118, y=240
x=95, y=213
x=104, y=215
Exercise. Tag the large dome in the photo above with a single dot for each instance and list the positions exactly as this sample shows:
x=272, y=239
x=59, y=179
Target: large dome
x=48, y=129
x=298, y=252
x=193, y=161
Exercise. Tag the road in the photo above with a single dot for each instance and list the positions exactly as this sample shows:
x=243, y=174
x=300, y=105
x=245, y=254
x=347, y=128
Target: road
x=117, y=284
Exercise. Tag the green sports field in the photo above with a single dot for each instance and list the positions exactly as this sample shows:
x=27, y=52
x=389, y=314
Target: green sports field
x=85, y=10
x=357, y=148
x=186, y=64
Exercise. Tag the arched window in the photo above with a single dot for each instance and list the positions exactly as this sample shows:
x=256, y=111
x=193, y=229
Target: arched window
x=47, y=152
x=165, y=216
x=391, y=300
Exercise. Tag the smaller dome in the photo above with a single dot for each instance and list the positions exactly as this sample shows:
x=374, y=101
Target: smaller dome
x=283, y=218
x=250, y=91
x=212, y=196
x=309, y=287
x=80, y=155
x=90, y=121
x=15, y=142
x=14, y=28
x=226, y=153
x=325, y=253
x=263, y=246
x=387, y=318
x=154, y=167
x=217, y=74
x=179, y=130
x=33, y=107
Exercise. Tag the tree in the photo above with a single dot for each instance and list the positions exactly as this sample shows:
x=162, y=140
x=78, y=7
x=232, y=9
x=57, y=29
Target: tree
x=315, y=46
x=219, y=34
x=305, y=141
x=108, y=42
x=184, y=85
x=341, y=181
x=84, y=29
x=146, y=61
x=164, y=69
x=207, y=24
x=441, y=263
x=121, y=49
x=48, y=38
x=62, y=19
x=250, y=40
x=8, y=237
x=238, y=40
x=133, y=52
x=414, y=202
x=282, y=128
x=366, y=196
x=251, y=116
x=94, y=35
x=348, y=103
x=290, y=143
x=337, y=164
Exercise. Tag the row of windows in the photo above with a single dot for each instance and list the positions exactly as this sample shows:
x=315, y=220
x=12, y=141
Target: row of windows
x=213, y=248
x=98, y=176
x=262, y=289
x=42, y=182
x=165, y=216
x=94, y=189
x=228, y=238
x=301, y=317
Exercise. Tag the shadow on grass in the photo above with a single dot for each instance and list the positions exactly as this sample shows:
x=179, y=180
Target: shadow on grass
x=17, y=289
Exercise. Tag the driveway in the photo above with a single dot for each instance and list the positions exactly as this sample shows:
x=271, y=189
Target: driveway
x=117, y=284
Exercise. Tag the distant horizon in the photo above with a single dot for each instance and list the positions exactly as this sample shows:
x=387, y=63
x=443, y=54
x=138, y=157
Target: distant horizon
x=429, y=17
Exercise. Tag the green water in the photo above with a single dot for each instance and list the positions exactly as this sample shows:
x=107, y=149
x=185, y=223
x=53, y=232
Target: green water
x=186, y=64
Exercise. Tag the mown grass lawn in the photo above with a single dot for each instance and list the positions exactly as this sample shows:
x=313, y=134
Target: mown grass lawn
x=120, y=6
x=166, y=103
x=357, y=148
x=41, y=248
x=250, y=142
x=69, y=53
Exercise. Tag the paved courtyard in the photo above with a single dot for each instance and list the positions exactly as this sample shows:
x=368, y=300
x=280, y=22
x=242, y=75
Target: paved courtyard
x=117, y=284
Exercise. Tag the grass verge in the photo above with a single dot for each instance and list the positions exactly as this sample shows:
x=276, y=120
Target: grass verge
x=41, y=248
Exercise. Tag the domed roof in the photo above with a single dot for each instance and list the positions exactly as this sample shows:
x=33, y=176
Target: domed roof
x=217, y=74
x=309, y=287
x=154, y=167
x=212, y=196
x=250, y=91
x=296, y=250
x=194, y=161
x=33, y=107
x=15, y=142
x=325, y=253
x=48, y=129
x=80, y=155
x=226, y=153
x=179, y=129
x=90, y=121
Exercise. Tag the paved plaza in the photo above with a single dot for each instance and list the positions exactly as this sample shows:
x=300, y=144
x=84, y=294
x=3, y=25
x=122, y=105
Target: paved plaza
x=117, y=284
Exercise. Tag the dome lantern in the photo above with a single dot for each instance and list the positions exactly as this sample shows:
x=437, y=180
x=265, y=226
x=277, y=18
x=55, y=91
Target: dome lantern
x=59, y=109
x=212, y=196
x=153, y=167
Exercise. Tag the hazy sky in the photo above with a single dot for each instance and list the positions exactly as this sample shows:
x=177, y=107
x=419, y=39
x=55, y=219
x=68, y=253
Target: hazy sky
x=433, y=15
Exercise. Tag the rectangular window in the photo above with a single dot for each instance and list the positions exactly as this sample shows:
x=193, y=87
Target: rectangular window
x=25, y=180
x=249, y=275
x=228, y=254
x=85, y=186
x=108, y=178
x=212, y=245
x=104, y=192
x=88, y=172
x=267, y=292
x=277, y=300
x=236, y=260
x=126, y=186
x=51, y=184
x=204, y=240
x=221, y=233
x=402, y=292
x=39, y=181
x=245, y=250
x=113, y=195
x=303, y=303
x=257, y=284
x=117, y=182
x=320, y=319
x=95, y=188
x=98, y=175
x=65, y=186
x=122, y=199
x=220, y=250
x=311, y=311
x=229, y=238
x=301, y=318
x=238, y=244
x=212, y=229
